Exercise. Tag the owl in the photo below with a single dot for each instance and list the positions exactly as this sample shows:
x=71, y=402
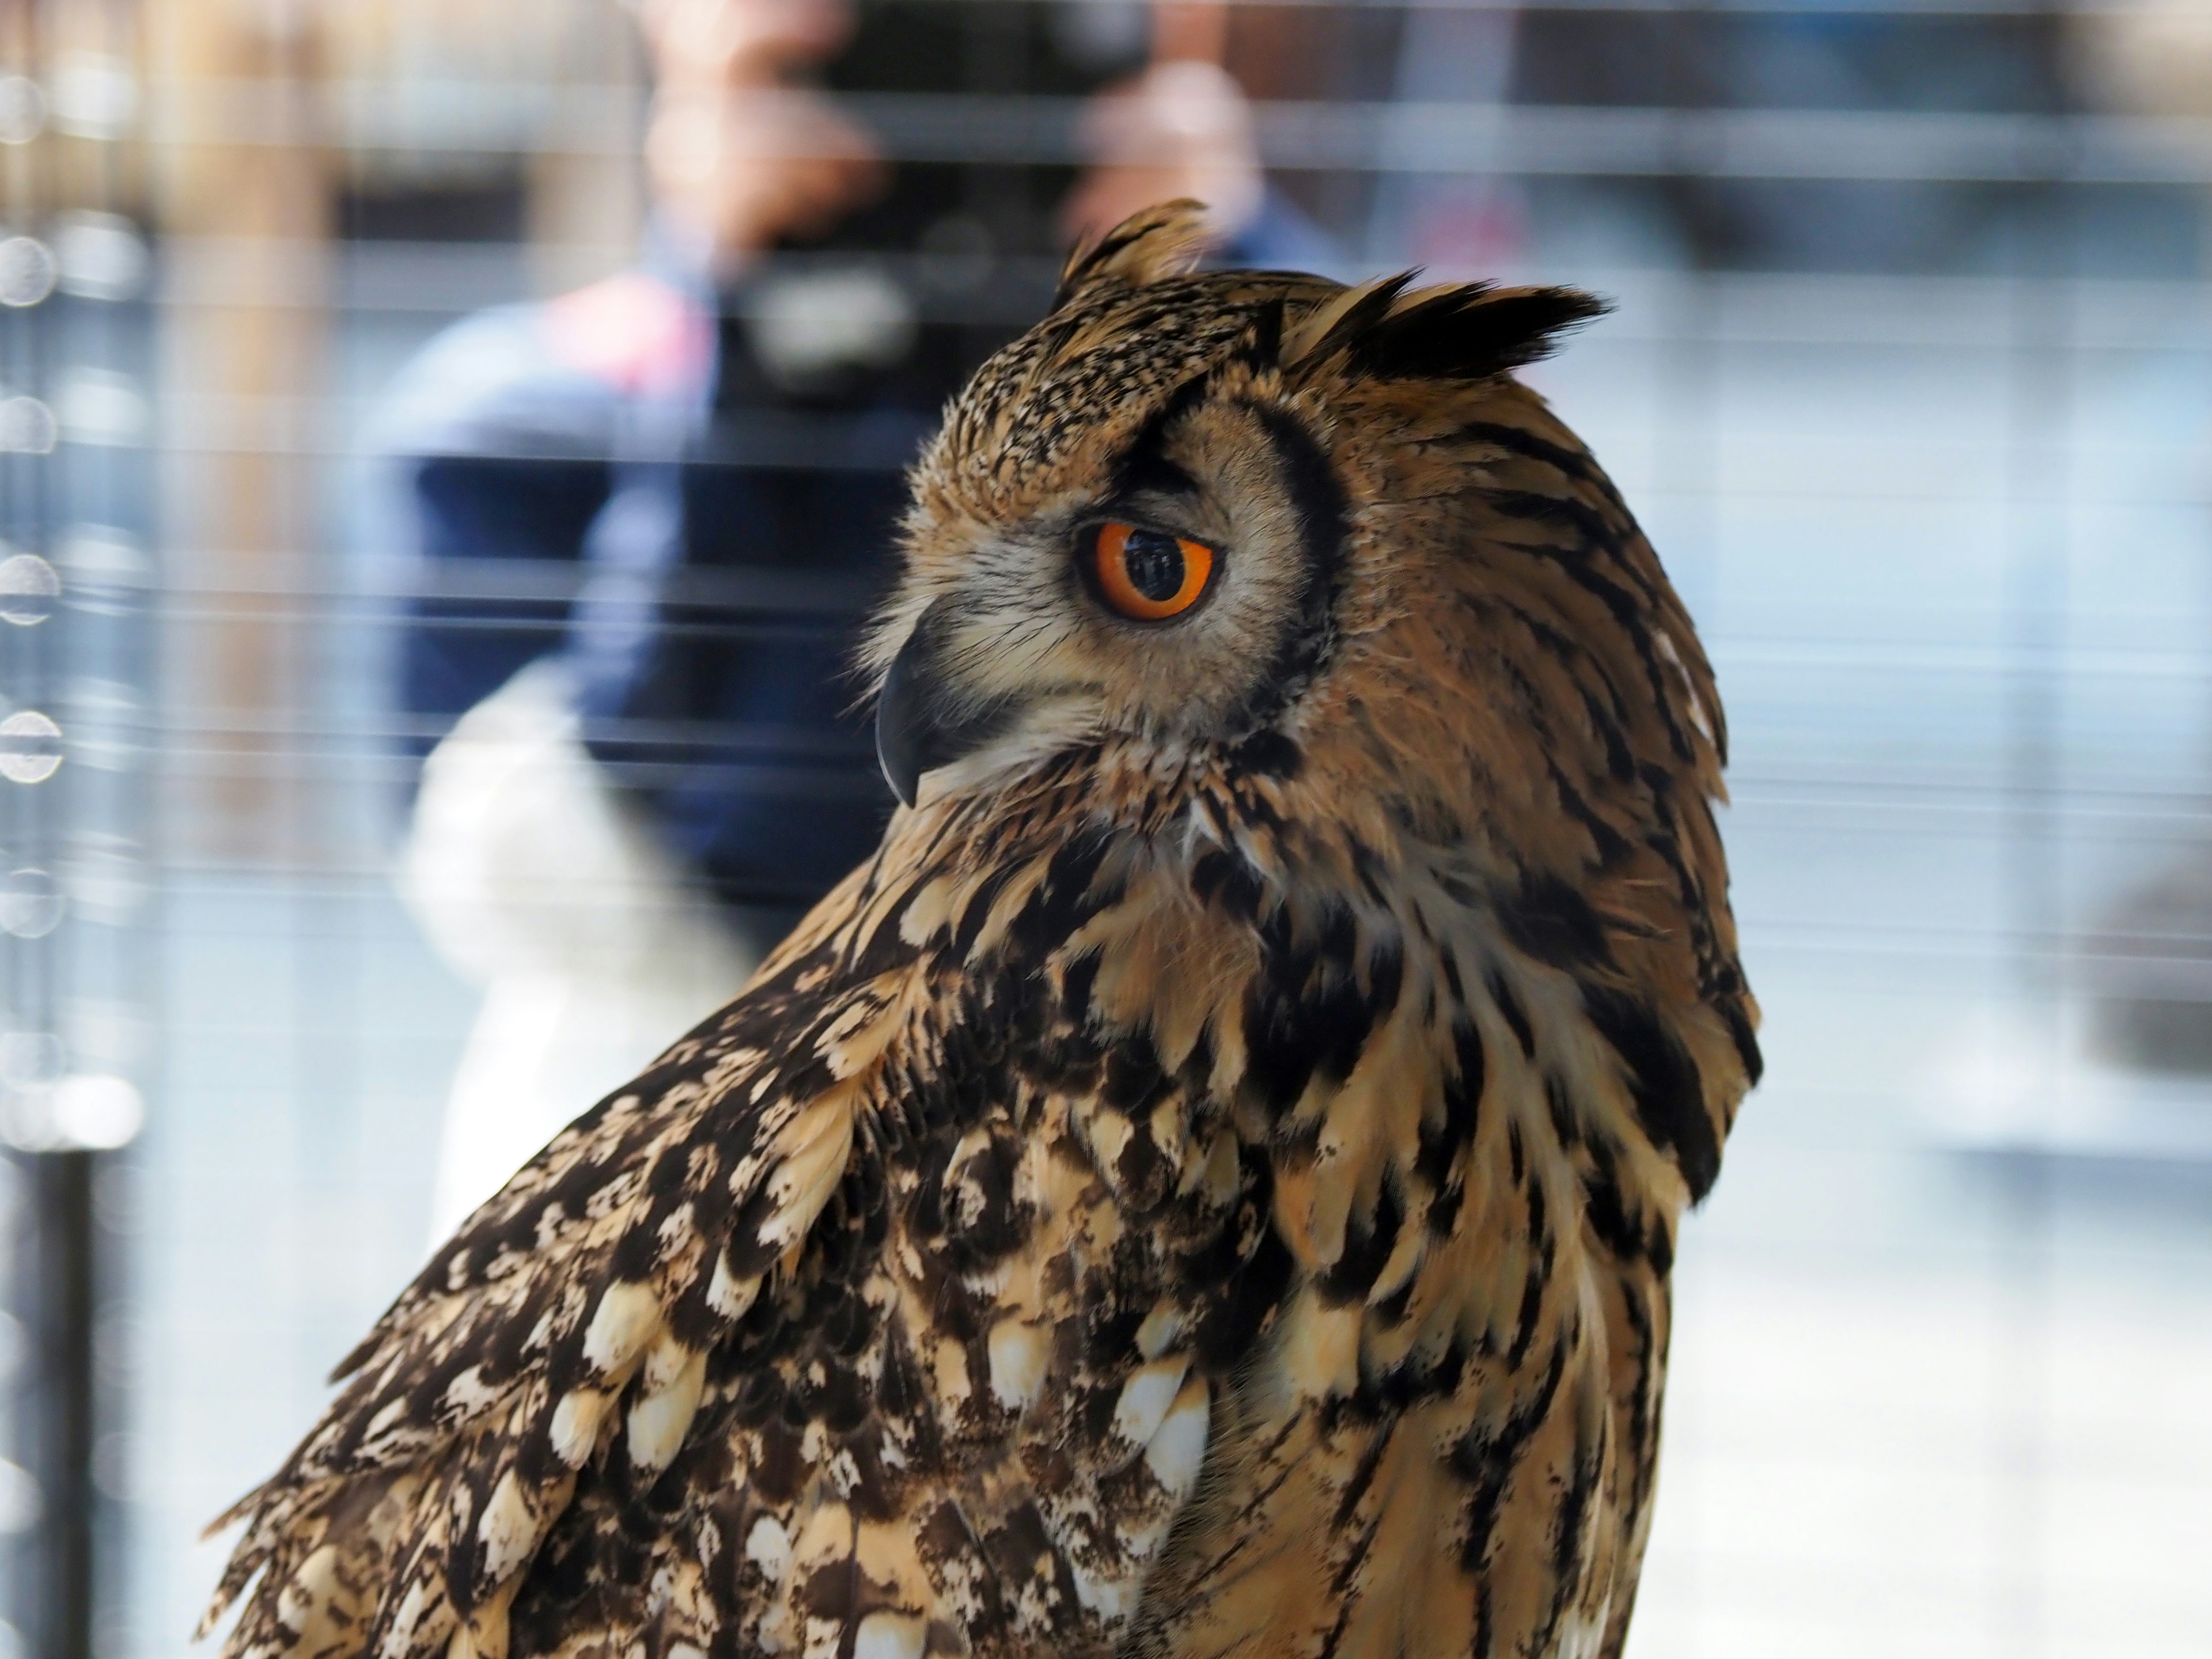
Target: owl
x=1208, y=1185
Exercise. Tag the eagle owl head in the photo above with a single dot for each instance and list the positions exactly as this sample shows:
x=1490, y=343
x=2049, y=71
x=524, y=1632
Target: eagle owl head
x=1204, y=524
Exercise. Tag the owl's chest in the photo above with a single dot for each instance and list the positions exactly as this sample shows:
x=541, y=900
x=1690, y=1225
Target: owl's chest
x=1234, y=1367
x=1438, y=1446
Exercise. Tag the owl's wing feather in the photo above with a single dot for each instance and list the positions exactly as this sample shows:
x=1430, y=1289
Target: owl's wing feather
x=890, y=1307
x=965, y=1418
x=616, y=1258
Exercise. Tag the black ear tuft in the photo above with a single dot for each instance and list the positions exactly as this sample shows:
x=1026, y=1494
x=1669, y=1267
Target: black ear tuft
x=1464, y=333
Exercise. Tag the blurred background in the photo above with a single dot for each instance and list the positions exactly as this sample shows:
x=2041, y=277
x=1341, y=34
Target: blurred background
x=367, y=364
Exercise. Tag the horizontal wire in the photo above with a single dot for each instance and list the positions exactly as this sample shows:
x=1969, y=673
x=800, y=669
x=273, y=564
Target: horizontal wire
x=1939, y=786
x=2075, y=669
x=379, y=606
x=1408, y=136
x=191, y=428
x=1970, y=315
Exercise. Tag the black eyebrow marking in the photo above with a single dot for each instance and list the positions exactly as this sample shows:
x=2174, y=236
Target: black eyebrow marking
x=1152, y=474
x=1142, y=467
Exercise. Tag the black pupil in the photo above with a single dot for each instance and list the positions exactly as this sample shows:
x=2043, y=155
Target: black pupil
x=1154, y=564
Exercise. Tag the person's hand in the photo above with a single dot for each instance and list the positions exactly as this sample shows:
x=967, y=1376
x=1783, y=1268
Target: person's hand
x=739, y=157
x=736, y=169
x=1181, y=127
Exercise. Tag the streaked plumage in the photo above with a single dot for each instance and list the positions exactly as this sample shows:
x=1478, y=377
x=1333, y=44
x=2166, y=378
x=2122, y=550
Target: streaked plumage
x=1208, y=1185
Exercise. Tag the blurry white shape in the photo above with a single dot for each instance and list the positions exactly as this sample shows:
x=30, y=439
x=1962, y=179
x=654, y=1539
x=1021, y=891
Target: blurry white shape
x=107, y=571
x=11, y=1641
x=22, y=109
x=26, y=426
x=28, y=587
x=102, y=255
x=427, y=127
x=11, y=1346
x=30, y=747
x=26, y=271
x=105, y=877
x=113, y=1035
x=30, y=903
x=20, y=1502
x=30, y=1059
x=88, y=1112
x=98, y=406
x=805, y=327
x=2017, y=1085
x=93, y=95
x=533, y=878
x=106, y=721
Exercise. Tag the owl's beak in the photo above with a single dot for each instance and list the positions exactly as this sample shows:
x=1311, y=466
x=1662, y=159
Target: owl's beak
x=921, y=721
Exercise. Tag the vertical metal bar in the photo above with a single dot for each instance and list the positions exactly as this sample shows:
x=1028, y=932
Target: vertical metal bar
x=68, y=1282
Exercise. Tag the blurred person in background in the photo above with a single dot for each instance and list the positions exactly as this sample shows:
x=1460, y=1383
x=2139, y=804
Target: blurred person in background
x=649, y=515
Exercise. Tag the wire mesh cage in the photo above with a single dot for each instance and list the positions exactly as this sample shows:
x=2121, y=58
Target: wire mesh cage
x=353, y=360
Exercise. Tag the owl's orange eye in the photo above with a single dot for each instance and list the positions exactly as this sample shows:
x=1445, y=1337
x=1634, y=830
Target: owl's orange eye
x=1148, y=575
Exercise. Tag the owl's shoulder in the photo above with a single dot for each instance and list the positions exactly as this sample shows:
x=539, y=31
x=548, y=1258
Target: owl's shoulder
x=567, y=1327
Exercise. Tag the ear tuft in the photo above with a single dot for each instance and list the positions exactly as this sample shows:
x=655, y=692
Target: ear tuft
x=1163, y=240
x=1459, y=332
x=1338, y=324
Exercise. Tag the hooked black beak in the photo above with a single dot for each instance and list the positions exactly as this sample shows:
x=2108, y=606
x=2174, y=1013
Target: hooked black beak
x=920, y=723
